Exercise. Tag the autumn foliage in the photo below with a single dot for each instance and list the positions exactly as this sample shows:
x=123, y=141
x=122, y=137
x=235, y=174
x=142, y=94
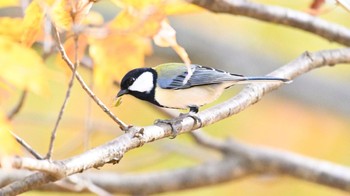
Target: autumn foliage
x=106, y=48
x=114, y=47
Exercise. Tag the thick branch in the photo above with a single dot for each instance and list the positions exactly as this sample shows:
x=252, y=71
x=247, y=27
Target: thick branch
x=240, y=160
x=279, y=15
x=113, y=151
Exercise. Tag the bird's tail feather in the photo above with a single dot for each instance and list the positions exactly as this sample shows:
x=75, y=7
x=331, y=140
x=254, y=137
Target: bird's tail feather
x=248, y=80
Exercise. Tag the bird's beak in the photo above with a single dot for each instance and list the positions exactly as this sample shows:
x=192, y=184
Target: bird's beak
x=122, y=92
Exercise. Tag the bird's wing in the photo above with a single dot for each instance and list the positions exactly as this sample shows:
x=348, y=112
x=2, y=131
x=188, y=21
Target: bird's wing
x=174, y=76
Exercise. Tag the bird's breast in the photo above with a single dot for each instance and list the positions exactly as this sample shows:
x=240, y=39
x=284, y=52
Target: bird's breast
x=194, y=96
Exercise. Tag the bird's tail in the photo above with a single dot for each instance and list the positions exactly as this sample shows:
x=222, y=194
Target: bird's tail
x=247, y=80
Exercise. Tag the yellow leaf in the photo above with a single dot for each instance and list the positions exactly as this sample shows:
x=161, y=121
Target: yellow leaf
x=66, y=13
x=145, y=23
x=32, y=23
x=170, y=7
x=60, y=14
x=11, y=28
x=22, y=67
x=7, y=3
x=9, y=145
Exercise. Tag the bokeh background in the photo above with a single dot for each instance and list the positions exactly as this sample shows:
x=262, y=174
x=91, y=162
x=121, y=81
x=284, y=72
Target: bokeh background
x=309, y=116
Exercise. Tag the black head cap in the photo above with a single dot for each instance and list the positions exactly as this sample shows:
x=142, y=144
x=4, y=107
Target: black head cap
x=129, y=79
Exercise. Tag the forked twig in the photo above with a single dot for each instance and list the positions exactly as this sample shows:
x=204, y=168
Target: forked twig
x=70, y=85
x=64, y=56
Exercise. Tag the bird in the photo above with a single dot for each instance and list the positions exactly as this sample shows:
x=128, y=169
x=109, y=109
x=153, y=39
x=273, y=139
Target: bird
x=164, y=85
x=167, y=85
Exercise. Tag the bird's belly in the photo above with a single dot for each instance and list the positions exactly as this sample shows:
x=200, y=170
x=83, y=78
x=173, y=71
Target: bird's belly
x=183, y=98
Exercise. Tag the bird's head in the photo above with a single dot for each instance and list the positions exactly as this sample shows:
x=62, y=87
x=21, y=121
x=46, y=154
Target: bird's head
x=140, y=83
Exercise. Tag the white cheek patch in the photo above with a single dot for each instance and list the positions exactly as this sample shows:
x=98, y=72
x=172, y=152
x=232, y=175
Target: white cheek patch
x=144, y=83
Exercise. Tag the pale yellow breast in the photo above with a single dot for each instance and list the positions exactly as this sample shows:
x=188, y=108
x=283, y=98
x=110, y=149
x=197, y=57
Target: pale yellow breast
x=195, y=96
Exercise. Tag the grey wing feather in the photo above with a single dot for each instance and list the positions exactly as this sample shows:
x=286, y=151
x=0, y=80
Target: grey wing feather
x=201, y=76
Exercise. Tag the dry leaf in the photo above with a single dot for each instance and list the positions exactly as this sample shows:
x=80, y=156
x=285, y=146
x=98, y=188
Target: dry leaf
x=166, y=37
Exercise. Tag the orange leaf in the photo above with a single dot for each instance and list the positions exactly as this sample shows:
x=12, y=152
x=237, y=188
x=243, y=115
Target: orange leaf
x=69, y=47
x=116, y=55
x=26, y=72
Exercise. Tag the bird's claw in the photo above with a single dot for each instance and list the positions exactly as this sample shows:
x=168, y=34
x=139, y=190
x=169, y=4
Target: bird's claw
x=171, y=123
x=179, y=119
x=194, y=116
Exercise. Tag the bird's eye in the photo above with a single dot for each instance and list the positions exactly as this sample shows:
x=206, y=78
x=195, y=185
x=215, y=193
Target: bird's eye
x=130, y=81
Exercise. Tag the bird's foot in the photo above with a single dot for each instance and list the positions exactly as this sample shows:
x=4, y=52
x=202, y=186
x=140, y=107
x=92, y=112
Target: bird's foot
x=171, y=123
x=179, y=119
x=192, y=115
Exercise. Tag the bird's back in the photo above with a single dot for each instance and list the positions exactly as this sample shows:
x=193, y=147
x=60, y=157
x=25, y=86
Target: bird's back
x=172, y=76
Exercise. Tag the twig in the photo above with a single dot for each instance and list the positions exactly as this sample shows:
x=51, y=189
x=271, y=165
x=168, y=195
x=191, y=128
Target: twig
x=70, y=85
x=279, y=15
x=27, y=146
x=64, y=56
x=18, y=106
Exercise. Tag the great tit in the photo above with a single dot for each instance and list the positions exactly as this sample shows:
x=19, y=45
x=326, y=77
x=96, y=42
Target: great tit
x=164, y=85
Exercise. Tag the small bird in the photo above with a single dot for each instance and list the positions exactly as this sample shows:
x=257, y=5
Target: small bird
x=164, y=85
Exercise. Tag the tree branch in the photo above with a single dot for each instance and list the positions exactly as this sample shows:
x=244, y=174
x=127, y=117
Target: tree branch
x=279, y=15
x=239, y=161
x=114, y=150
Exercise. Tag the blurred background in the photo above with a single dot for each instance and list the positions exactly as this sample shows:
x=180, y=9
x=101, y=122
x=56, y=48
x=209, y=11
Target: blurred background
x=309, y=116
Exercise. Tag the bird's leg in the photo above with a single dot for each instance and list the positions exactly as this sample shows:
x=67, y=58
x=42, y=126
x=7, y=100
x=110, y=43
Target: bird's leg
x=193, y=114
x=171, y=122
